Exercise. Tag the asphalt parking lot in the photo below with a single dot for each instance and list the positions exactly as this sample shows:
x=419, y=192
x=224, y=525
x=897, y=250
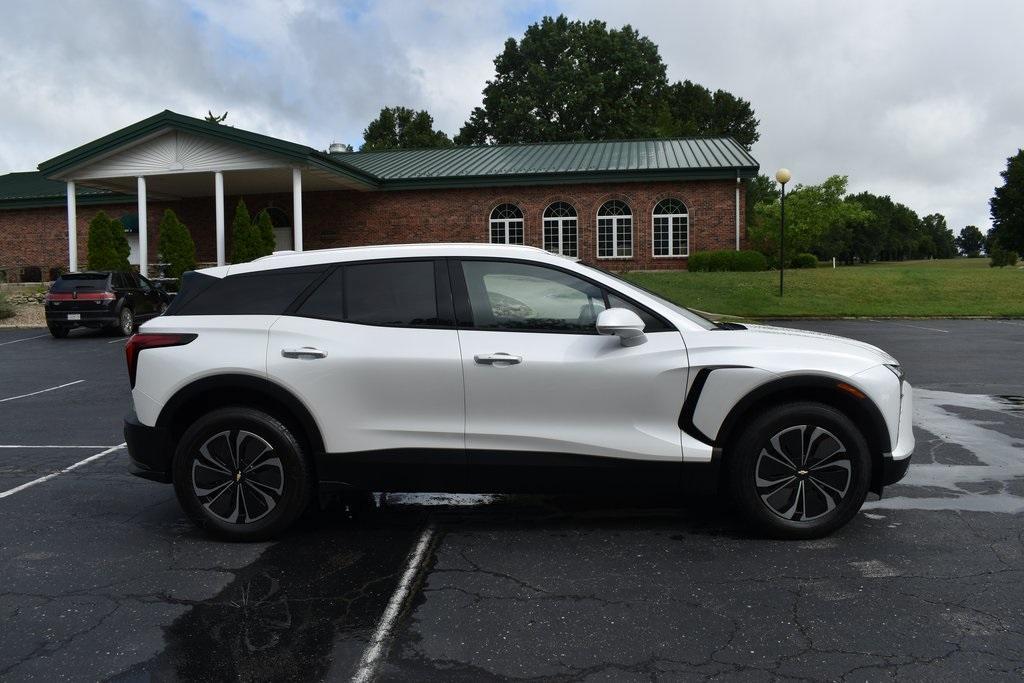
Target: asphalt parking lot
x=103, y=578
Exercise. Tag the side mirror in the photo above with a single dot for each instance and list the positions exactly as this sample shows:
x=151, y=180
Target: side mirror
x=624, y=324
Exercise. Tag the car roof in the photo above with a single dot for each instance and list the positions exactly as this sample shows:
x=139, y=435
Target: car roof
x=292, y=259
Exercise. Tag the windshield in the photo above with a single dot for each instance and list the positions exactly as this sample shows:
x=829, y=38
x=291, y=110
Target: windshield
x=88, y=281
x=690, y=315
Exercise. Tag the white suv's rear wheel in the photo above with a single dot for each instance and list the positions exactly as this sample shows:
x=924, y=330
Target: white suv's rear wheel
x=241, y=474
x=800, y=470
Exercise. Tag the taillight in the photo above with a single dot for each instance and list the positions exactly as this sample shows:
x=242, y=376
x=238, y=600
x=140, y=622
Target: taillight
x=155, y=340
x=81, y=296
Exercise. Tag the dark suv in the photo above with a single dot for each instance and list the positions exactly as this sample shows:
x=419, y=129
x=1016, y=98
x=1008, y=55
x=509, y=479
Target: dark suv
x=102, y=299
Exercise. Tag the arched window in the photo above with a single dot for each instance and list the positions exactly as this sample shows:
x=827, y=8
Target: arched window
x=671, y=228
x=614, y=230
x=560, y=229
x=507, y=224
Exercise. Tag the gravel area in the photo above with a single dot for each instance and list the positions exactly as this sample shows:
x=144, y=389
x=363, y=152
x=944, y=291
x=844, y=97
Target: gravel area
x=26, y=315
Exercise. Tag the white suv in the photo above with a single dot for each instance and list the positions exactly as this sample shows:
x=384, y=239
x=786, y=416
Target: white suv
x=481, y=368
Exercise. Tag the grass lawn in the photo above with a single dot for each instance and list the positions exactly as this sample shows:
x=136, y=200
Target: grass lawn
x=947, y=288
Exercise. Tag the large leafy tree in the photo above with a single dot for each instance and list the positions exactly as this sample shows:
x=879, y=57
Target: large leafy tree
x=692, y=109
x=574, y=80
x=938, y=237
x=1007, y=206
x=177, y=249
x=108, y=247
x=818, y=218
x=971, y=241
x=402, y=128
x=570, y=80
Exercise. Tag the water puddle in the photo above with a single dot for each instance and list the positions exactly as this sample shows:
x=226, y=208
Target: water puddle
x=987, y=428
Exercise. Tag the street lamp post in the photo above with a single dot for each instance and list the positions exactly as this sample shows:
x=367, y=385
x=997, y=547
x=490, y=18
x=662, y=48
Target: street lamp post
x=782, y=175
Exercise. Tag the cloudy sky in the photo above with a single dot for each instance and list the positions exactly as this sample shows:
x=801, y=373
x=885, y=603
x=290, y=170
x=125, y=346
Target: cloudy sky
x=919, y=100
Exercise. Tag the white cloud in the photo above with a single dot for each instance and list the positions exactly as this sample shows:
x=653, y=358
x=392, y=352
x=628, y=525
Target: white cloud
x=914, y=99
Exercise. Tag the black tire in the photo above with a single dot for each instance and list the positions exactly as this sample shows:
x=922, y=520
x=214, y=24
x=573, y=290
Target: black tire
x=809, y=499
x=126, y=322
x=58, y=331
x=235, y=504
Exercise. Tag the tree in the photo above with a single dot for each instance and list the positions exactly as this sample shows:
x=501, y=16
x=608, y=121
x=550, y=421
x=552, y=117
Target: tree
x=246, y=244
x=570, y=80
x=108, y=247
x=939, y=236
x=971, y=241
x=177, y=249
x=213, y=118
x=1007, y=206
x=265, y=228
x=693, y=110
x=760, y=189
x=402, y=128
x=816, y=216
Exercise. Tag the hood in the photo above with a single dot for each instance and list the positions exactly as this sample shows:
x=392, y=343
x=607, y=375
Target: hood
x=844, y=344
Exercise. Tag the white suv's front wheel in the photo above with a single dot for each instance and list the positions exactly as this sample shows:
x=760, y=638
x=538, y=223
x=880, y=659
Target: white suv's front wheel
x=241, y=474
x=800, y=470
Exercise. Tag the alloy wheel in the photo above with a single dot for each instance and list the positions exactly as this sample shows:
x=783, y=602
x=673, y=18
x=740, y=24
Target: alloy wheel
x=237, y=477
x=127, y=322
x=803, y=473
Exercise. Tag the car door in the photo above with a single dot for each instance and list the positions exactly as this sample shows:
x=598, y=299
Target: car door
x=374, y=354
x=136, y=297
x=539, y=378
x=147, y=299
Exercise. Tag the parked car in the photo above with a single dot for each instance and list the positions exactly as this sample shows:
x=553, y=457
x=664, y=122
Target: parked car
x=102, y=299
x=480, y=368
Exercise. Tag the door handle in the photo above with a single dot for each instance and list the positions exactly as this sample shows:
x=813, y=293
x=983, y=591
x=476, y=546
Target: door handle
x=500, y=359
x=304, y=352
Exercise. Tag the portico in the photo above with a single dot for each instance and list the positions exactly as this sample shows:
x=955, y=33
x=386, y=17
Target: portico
x=169, y=157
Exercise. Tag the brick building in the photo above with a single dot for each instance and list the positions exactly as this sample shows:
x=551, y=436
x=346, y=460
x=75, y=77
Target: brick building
x=621, y=205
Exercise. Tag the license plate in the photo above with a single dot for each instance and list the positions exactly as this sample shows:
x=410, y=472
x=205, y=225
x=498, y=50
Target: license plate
x=74, y=316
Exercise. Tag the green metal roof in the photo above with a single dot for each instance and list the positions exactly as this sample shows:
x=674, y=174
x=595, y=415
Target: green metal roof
x=706, y=157
x=32, y=188
x=476, y=166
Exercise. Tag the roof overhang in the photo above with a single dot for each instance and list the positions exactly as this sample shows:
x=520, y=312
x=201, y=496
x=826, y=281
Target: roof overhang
x=170, y=144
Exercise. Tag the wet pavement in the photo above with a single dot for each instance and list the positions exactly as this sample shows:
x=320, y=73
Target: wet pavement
x=103, y=578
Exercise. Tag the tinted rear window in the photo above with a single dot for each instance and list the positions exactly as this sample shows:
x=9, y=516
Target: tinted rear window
x=400, y=293
x=81, y=281
x=267, y=292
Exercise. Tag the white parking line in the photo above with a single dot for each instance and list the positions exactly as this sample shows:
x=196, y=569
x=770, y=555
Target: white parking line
x=78, y=464
x=917, y=327
x=41, y=391
x=374, y=654
x=122, y=341
x=15, y=341
x=91, y=448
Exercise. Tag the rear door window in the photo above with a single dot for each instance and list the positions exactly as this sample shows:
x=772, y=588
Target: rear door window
x=267, y=292
x=392, y=293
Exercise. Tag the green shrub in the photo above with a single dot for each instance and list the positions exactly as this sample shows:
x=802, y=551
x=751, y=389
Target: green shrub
x=177, y=249
x=250, y=240
x=108, y=247
x=266, y=230
x=6, y=307
x=1002, y=257
x=739, y=261
x=805, y=261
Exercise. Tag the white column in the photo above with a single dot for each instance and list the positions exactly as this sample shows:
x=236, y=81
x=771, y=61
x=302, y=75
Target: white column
x=297, y=209
x=72, y=229
x=218, y=195
x=738, y=186
x=143, y=234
